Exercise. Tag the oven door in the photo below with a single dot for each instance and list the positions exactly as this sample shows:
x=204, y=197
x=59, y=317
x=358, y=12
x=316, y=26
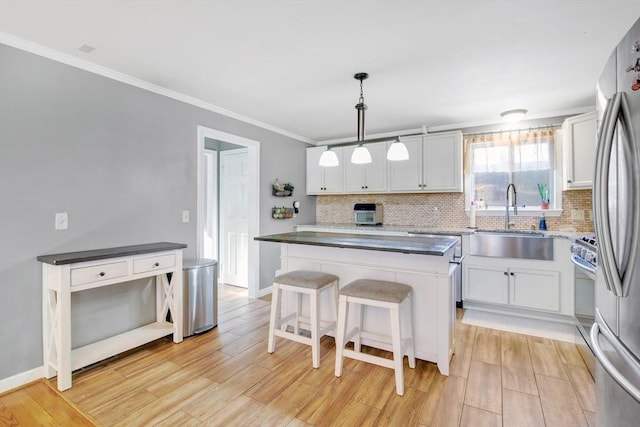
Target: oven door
x=584, y=297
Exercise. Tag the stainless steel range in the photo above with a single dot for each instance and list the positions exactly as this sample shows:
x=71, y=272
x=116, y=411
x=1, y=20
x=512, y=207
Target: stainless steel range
x=584, y=256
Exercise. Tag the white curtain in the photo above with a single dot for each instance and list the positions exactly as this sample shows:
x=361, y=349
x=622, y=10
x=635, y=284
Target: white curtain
x=516, y=151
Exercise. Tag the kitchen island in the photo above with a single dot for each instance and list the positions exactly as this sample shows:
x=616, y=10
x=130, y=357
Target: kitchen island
x=419, y=261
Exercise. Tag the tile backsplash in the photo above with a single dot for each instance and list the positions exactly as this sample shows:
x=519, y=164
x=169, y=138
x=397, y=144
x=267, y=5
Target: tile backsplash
x=447, y=210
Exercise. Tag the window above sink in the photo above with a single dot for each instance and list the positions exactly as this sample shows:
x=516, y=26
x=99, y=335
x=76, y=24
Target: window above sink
x=525, y=158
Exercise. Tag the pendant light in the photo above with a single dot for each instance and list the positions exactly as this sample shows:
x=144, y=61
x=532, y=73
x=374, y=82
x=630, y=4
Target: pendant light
x=361, y=154
x=328, y=158
x=397, y=151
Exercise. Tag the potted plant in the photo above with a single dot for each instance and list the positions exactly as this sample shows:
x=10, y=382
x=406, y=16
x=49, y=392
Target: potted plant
x=544, y=195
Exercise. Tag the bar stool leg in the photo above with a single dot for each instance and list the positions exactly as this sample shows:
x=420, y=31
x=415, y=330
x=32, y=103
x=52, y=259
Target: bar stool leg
x=411, y=352
x=275, y=315
x=398, y=357
x=343, y=311
x=315, y=330
x=357, y=339
x=296, y=325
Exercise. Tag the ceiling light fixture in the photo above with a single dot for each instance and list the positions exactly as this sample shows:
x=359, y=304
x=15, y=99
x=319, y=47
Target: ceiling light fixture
x=513, y=116
x=361, y=154
x=86, y=48
x=397, y=151
x=328, y=158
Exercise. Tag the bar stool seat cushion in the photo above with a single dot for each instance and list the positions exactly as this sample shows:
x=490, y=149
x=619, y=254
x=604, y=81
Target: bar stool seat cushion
x=377, y=290
x=306, y=279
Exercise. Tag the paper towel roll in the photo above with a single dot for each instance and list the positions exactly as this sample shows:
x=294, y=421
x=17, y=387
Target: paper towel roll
x=472, y=216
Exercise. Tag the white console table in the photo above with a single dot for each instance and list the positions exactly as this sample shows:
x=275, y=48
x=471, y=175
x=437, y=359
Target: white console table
x=70, y=272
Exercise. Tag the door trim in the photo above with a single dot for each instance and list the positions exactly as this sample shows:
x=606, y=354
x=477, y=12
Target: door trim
x=253, y=195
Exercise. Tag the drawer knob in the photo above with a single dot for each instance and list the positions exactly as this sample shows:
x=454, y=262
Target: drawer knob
x=157, y=264
x=102, y=274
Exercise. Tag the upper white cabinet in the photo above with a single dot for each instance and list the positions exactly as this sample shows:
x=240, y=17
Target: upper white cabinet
x=434, y=165
x=324, y=180
x=579, y=146
x=370, y=177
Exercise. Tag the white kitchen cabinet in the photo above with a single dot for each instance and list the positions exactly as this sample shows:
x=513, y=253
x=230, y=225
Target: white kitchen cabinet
x=324, y=180
x=519, y=287
x=434, y=165
x=489, y=284
x=535, y=289
x=406, y=175
x=367, y=178
x=579, y=146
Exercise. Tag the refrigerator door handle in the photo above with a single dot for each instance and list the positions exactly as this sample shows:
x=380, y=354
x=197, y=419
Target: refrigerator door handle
x=609, y=367
x=617, y=276
x=601, y=193
x=633, y=166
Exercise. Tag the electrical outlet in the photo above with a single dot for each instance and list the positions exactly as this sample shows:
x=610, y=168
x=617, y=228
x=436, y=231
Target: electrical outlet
x=62, y=221
x=185, y=217
x=577, y=214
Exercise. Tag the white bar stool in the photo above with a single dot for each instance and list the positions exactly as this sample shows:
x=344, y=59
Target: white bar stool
x=376, y=293
x=303, y=282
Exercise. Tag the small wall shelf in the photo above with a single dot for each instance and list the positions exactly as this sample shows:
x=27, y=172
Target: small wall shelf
x=281, y=193
x=279, y=189
x=281, y=213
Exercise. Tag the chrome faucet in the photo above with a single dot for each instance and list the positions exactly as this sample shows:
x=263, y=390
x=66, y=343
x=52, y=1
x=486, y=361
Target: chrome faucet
x=514, y=203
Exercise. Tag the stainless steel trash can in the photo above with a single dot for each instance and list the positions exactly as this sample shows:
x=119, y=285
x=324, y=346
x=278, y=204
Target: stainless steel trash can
x=200, y=297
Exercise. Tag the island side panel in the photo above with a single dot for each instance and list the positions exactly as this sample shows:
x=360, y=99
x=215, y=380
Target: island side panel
x=433, y=303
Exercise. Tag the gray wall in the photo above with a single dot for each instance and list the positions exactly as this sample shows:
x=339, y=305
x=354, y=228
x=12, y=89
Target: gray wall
x=122, y=162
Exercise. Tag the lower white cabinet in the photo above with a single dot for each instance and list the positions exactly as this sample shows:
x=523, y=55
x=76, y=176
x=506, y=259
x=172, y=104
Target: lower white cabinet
x=527, y=288
x=489, y=284
x=512, y=284
x=539, y=290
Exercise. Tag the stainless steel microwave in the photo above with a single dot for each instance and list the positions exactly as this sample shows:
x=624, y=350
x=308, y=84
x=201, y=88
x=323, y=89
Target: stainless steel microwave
x=367, y=213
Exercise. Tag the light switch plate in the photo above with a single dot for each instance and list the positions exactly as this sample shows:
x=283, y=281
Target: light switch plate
x=62, y=221
x=185, y=217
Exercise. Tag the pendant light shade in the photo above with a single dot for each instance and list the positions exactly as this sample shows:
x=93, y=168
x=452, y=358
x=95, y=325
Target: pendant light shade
x=361, y=155
x=329, y=158
x=397, y=151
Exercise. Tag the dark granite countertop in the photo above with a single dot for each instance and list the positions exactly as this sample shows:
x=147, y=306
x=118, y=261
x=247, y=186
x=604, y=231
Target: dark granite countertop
x=422, y=245
x=95, y=254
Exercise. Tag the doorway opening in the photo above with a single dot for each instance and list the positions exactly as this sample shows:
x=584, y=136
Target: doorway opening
x=228, y=183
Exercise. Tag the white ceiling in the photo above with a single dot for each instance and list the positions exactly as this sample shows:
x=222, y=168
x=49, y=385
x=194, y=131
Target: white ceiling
x=290, y=64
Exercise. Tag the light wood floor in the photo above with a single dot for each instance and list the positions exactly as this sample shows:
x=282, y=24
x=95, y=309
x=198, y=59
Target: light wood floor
x=226, y=377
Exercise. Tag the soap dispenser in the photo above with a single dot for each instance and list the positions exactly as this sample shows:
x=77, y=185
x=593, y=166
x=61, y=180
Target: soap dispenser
x=543, y=223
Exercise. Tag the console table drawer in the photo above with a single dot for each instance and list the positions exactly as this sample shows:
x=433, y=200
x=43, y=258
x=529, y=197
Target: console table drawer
x=81, y=276
x=159, y=262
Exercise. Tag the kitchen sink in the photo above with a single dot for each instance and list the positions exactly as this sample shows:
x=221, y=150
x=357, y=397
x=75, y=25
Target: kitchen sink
x=533, y=233
x=522, y=244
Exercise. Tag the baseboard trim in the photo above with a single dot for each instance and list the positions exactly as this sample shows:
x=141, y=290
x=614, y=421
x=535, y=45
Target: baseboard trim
x=513, y=311
x=21, y=379
x=265, y=291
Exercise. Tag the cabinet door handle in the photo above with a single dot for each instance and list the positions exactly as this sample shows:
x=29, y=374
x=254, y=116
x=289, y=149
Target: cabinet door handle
x=511, y=274
x=102, y=274
x=505, y=273
x=569, y=181
x=157, y=264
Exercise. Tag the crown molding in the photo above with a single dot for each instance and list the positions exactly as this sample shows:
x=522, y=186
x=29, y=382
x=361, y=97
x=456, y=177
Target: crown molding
x=37, y=49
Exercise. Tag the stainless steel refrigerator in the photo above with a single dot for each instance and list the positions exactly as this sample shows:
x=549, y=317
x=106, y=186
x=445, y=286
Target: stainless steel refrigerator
x=615, y=335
